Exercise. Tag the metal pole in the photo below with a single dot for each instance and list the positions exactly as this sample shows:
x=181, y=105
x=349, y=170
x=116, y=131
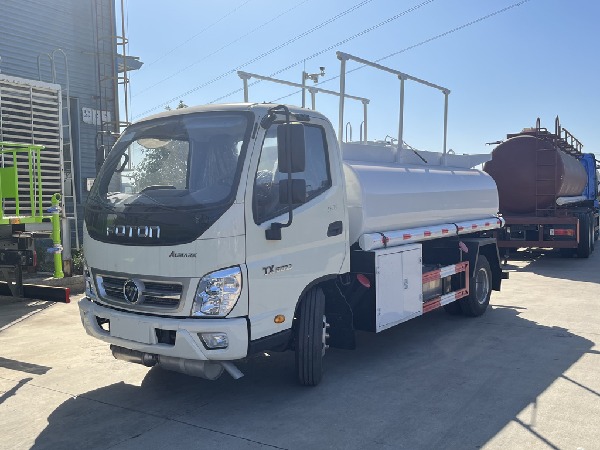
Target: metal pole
x=342, y=97
x=125, y=74
x=304, y=88
x=245, y=89
x=57, y=248
x=313, y=99
x=365, y=120
x=400, y=120
x=445, y=120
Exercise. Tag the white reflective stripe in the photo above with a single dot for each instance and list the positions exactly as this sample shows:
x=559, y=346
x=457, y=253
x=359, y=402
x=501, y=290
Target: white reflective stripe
x=373, y=241
x=490, y=223
x=447, y=298
x=447, y=271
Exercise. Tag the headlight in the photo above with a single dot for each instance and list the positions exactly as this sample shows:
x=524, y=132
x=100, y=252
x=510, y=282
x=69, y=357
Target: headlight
x=218, y=292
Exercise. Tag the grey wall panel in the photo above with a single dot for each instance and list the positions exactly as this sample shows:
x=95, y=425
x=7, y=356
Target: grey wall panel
x=29, y=28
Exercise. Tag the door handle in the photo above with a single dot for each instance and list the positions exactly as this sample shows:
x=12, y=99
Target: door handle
x=335, y=228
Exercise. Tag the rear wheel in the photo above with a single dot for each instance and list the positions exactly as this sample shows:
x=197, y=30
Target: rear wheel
x=592, y=232
x=310, y=338
x=584, y=248
x=480, y=289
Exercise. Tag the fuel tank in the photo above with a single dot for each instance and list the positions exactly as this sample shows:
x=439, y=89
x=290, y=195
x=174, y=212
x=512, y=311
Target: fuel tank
x=384, y=195
x=531, y=173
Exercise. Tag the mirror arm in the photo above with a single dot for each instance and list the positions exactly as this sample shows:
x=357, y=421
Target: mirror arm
x=273, y=233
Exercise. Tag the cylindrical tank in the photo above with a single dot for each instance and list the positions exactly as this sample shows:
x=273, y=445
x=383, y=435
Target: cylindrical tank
x=390, y=196
x=531, y=174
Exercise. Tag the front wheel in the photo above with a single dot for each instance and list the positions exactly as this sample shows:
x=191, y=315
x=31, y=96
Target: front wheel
x=480, y=289
x=310, y=338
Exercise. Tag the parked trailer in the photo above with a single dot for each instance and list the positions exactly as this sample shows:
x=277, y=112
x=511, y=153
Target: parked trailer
x=213, y=233
x=548, y=191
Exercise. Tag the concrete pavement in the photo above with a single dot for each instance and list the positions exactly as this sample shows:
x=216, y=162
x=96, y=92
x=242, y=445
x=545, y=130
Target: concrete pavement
x=525, y=375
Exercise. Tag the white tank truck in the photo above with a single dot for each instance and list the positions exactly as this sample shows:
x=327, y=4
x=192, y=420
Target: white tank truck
x=213, y=233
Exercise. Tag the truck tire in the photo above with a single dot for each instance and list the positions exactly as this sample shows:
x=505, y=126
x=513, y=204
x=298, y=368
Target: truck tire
x=584, y=248
x=310, y=335
x=480, y=289
x=592, y=232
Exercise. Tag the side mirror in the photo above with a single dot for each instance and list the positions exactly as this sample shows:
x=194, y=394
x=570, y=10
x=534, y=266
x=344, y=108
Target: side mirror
x=298, y=191
x=290, y=141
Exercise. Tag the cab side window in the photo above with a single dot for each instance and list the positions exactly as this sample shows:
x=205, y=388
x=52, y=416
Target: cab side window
x=265, y=201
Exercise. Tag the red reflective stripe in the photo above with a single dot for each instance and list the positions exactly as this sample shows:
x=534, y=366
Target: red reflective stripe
x=487, y=224
x=474, y=225
x=431, y=305
x=461, y=228
x=406, y=236
x=444, y=231
x=427, y=233
x=431, y=276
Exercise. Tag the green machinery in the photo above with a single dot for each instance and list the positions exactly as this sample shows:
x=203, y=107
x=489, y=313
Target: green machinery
x=22, y=204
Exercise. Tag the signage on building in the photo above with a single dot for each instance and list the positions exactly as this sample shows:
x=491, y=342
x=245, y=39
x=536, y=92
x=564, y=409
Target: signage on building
x=94, y=116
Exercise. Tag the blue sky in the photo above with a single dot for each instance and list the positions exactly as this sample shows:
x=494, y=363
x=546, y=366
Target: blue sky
x=540, y=58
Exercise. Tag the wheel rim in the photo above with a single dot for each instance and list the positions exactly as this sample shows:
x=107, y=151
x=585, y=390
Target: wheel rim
x=482, y=286
x=324, y=336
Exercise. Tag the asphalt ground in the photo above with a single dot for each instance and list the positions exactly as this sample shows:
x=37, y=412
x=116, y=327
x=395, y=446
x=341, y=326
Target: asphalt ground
x=524, y=375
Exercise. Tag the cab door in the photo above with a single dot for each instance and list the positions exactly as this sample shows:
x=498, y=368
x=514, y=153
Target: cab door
x=312, y=247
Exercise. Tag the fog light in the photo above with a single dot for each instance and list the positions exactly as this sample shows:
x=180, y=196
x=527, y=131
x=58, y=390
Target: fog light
x=214, y=340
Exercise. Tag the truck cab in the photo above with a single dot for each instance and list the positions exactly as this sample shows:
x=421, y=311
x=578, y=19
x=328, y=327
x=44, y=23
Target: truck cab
x=176, y=228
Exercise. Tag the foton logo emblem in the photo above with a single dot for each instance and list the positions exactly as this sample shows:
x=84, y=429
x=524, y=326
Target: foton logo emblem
x=128, y=231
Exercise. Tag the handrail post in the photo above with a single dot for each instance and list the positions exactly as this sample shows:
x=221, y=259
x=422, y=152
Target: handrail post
x=313, y=97
x=304, y=74
x=342, y=97
x=245, y=77
x=401, y=119
x=446, y=93
x=365, y=103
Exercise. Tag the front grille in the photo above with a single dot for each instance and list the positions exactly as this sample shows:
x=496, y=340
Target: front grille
x=154, y=293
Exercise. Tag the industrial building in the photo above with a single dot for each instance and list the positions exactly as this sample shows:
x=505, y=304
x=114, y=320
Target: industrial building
x=61, y=71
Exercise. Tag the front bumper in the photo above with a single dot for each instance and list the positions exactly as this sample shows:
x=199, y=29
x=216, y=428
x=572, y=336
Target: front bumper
x=138, y=332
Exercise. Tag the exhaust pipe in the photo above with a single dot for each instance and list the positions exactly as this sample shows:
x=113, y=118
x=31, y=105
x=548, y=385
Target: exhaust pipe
x=193, y=367
x=133, y=356
x=204, y=369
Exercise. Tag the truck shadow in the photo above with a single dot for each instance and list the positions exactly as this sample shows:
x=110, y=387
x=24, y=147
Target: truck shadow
x=436, y=382
x=549, y=263
x=14, y=309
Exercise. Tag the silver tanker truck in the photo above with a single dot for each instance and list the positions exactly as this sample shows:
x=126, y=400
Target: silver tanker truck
x=213, y=233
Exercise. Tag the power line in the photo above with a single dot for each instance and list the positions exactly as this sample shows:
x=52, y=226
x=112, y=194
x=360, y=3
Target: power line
x=411, y=47
x=331, y=47
x=198, y=34
x=273, y=50
x=223, y=47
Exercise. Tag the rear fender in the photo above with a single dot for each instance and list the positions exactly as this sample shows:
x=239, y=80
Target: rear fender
x=488, y=248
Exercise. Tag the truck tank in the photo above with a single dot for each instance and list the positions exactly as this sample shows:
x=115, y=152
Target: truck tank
x=384, y=195
x=531, y=173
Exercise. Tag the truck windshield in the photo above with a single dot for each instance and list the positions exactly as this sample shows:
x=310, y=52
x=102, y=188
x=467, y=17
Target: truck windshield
x=184, y=167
